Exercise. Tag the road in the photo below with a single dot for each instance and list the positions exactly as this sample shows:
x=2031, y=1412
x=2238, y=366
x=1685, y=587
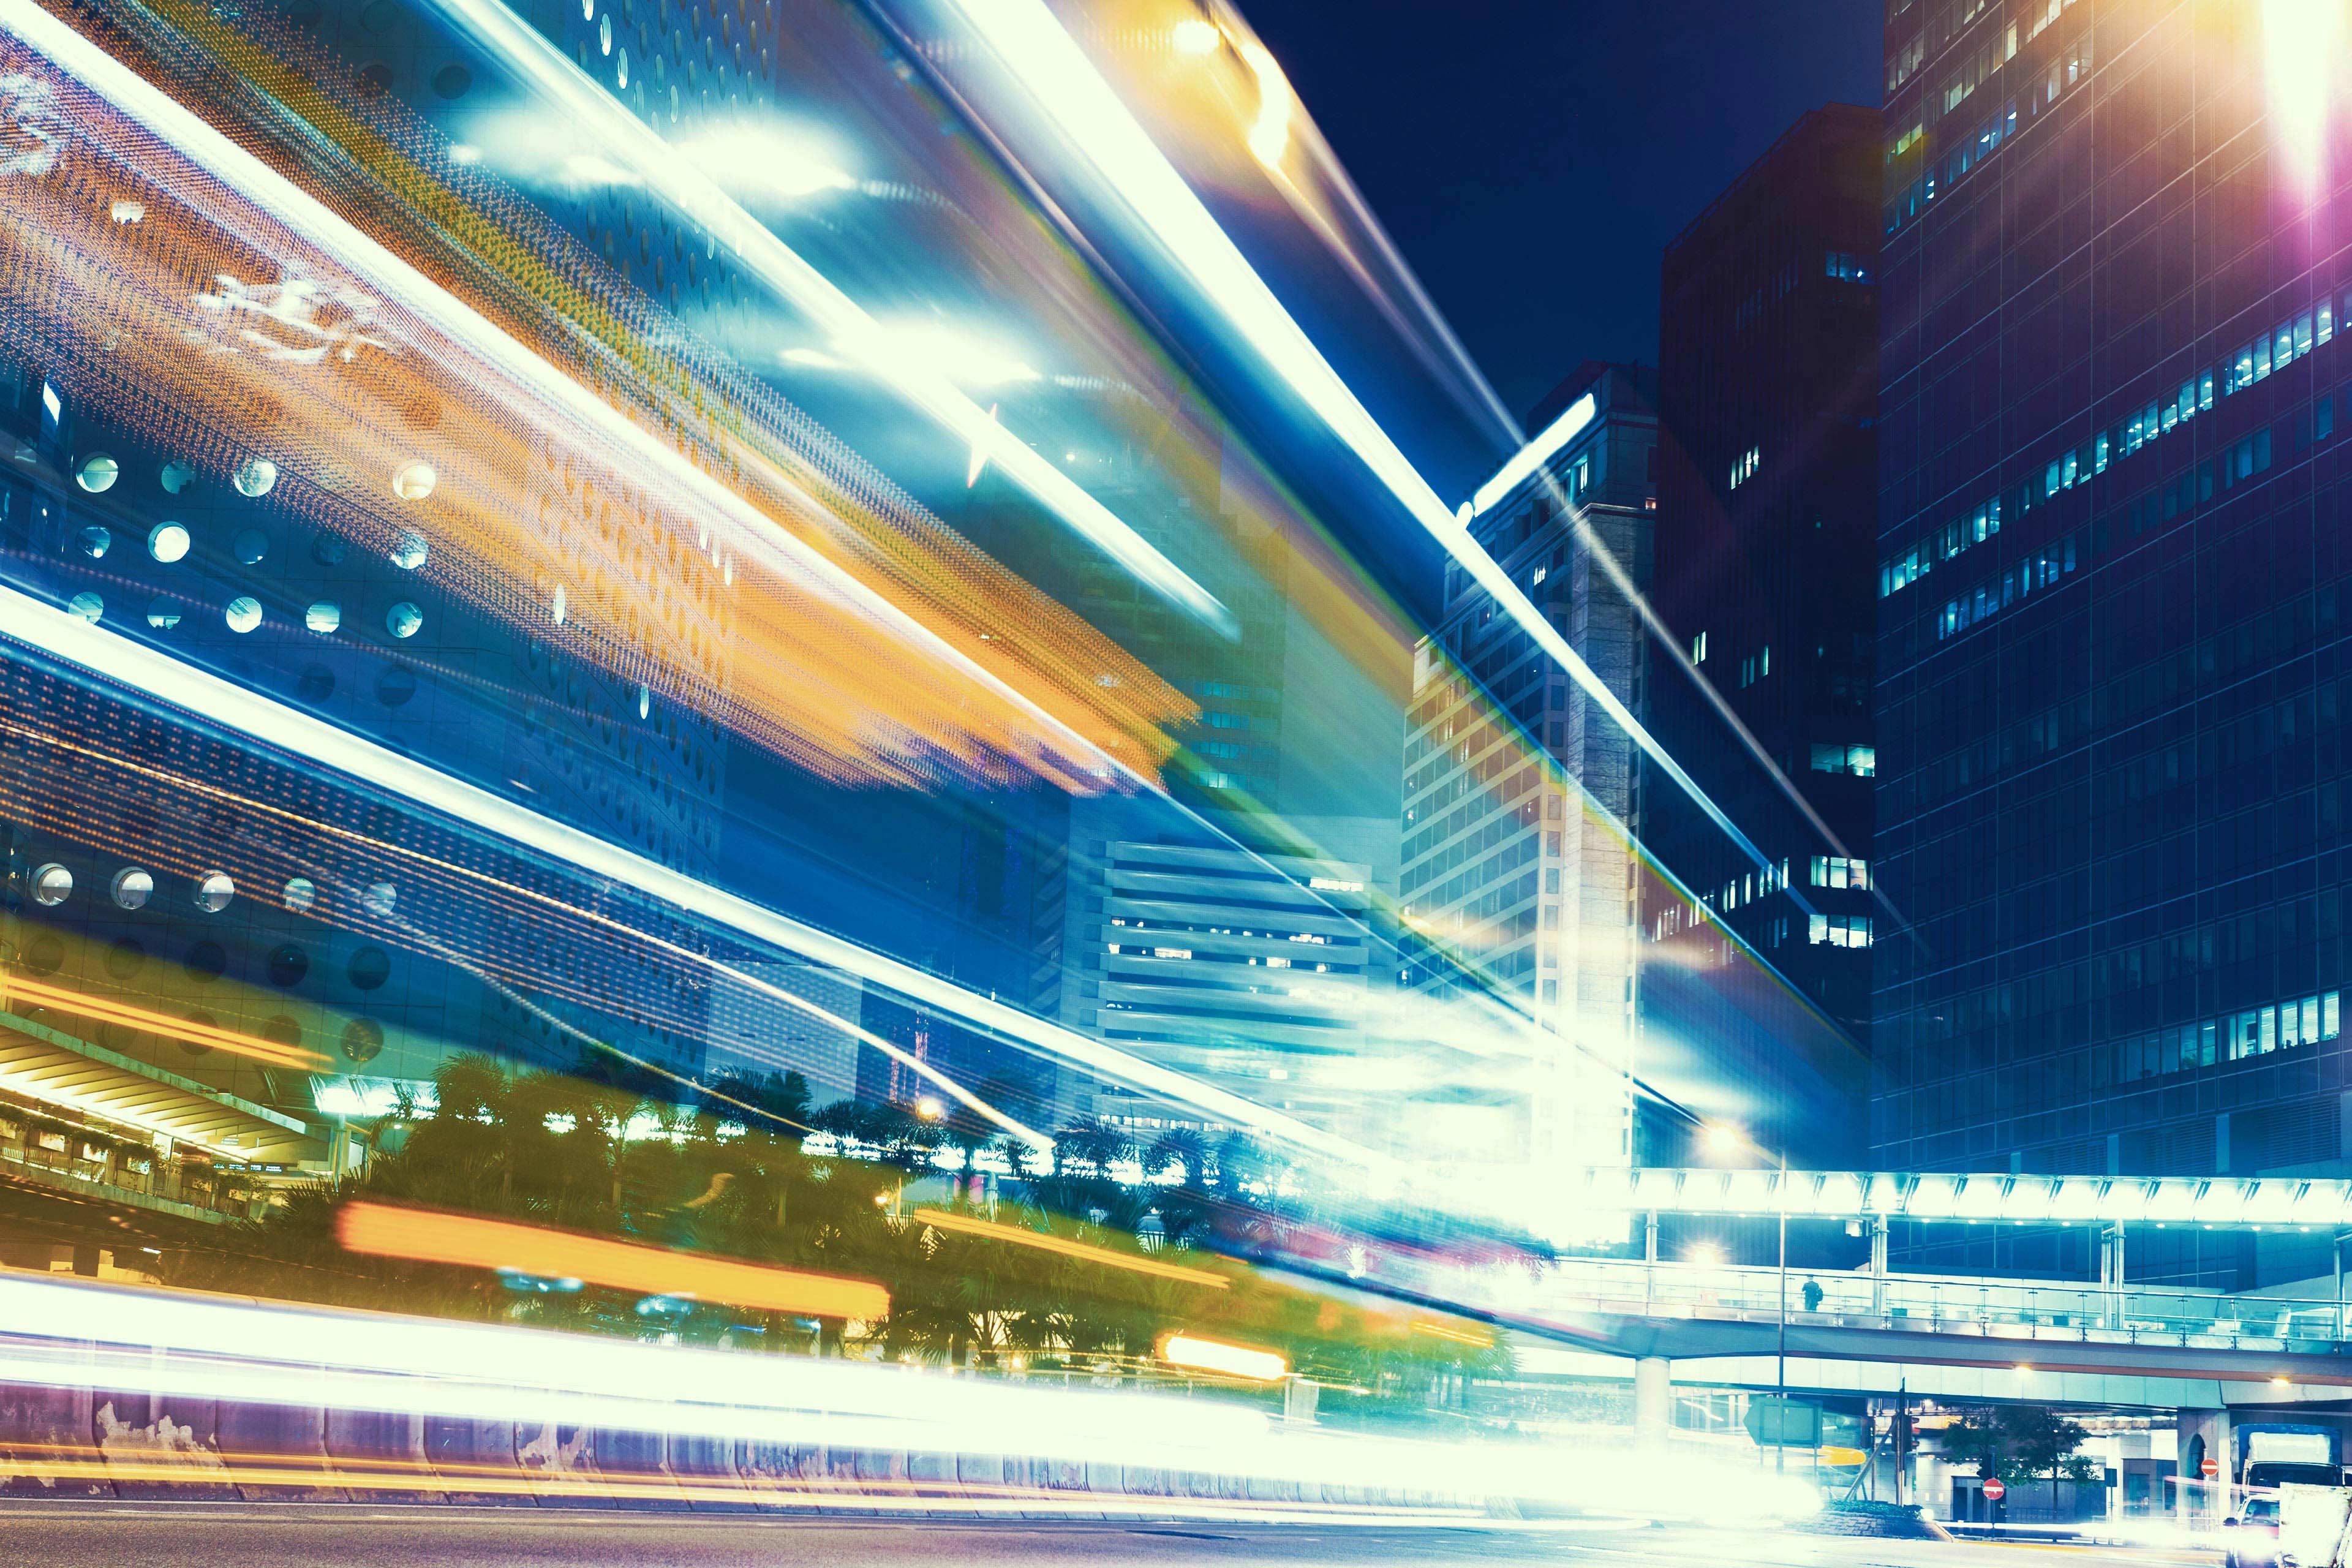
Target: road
x=198, y=1535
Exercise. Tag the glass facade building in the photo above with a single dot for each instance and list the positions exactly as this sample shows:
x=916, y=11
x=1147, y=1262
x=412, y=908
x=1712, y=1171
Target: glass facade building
x=1768, y=511
x=2111, y=590
x=1518, y=868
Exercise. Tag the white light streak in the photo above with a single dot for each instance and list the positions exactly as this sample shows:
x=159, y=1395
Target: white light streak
x=564, y=401
x=45, y=629
x=635, y=146
x=1527, y=459
x=1032, y=43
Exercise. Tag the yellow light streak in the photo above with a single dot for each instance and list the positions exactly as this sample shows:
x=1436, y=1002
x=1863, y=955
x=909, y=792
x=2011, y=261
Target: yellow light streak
x=1212, y=1355
x=15, y=987
x=940, y=1219
x=469, y=1241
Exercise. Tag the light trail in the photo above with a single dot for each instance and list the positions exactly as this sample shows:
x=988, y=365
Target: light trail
x=965, y=1224
x=45, y=629
x=180, y=1344
x=420, y=1236
x=679, y=182
x=1032, y=43
x=81, y=1004
x=500, y=366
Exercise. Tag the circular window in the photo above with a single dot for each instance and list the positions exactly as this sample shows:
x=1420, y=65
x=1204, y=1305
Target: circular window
x=379, y=900
x=175, y=476
x=375, y=80
x=413, y=481
x=98, y=472
x=411, y=552
x=125, y=958
x=132, y=887
x=300, y=893
x=45, y=954
x=167, y=541
x=214, y=892
x=402, y=620
x=284, y=1031
x=244, y=614
x=452, y=80
x=370, y=967
x=380, y=16
x=197, y=1048
x=604, y=34
x=88, y=606
x=251, y=546
x=288, y=964
x=317, y=683
x=395, y=686
x=94, y=542
x=254, y=477
x=621, y=69
x=207, y=962
x=52, y=884
x=325, y=617
x=329, y=550
x=362, y=1040
x=162, y=613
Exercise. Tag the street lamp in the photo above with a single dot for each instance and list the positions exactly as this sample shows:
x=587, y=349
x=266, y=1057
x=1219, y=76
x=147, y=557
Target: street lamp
x=1722, y=1138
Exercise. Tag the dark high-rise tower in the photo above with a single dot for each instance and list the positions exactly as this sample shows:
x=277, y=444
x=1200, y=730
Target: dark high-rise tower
x=1767, y=506
x=2111, y=793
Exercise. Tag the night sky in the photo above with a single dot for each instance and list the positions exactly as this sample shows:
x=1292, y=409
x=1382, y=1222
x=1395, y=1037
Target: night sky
x=1532, y=157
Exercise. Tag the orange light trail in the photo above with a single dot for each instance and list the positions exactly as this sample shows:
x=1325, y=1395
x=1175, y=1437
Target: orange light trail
x=14, y=986
x=467, y=1241
x=939, y=1219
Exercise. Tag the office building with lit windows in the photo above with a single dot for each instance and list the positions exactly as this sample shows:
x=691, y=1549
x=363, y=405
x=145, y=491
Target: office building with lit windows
x=1262, y=974
x=2112, y=593
x=1767, y=519
x=1517, y=876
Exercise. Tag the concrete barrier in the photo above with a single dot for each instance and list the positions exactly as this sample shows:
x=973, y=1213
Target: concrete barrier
x=85, y=1443
x=47, y=1445
x=276, y=1452
x=387, y=1444
x=705, y=1469
x=476, y=1461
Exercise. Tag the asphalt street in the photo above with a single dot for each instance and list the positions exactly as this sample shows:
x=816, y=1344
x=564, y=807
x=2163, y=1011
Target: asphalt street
x=197, y=1535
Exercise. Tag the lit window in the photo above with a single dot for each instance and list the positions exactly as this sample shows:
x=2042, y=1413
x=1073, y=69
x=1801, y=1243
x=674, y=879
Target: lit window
x=52, y=884
x=244, y=614
x=98, y=472
x=299, y=894
x=214, y=892
x=402, y=619
x=167, y=541
x=88, y=606
x=254, y=477
x=131, y=887
x=323, y=618
x=162, y=613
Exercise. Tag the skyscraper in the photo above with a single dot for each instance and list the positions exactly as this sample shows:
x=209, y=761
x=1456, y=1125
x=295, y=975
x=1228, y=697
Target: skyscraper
x=1767, y=514
x=1518, y=872
x=2112, y=580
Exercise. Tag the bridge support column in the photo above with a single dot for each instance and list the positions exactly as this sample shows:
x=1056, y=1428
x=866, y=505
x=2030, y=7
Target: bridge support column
x=1653, y=1400
x=2200, y=1434
x=1878, y=1265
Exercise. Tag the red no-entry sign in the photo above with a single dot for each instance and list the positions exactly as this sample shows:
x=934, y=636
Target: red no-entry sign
x=1994, y=1490
x=2211, y=1468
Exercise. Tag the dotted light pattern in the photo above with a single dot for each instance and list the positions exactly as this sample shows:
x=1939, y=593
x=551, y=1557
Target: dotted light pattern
x=850, y=637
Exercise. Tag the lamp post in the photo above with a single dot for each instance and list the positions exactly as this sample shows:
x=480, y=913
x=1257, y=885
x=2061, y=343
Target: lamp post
x=1723, y=1139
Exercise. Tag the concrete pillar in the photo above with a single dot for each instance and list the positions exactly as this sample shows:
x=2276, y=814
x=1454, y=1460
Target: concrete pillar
x=1931, y=1486
x=2198, y=1435
x=1878, y=1265
x=1654, y=1399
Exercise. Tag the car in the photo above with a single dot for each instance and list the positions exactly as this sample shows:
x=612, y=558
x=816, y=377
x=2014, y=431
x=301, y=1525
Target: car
x=2253, y=1533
